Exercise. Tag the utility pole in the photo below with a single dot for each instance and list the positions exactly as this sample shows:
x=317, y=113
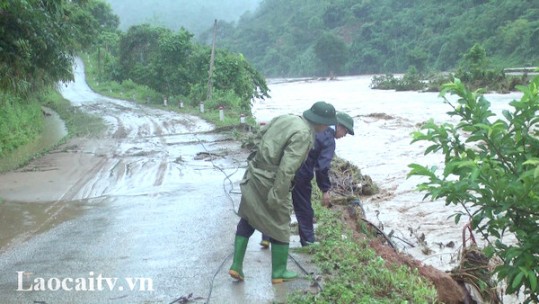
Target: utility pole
x=210, y=72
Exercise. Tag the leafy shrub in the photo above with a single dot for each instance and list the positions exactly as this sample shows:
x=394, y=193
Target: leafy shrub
x=411, y=81
x=384, y=82
x=492, y=171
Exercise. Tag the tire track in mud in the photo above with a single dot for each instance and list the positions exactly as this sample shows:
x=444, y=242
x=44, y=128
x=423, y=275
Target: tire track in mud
x=117, y=163
x=120, y=131
x=162, y=169
x=84, y=182
x=120, y=173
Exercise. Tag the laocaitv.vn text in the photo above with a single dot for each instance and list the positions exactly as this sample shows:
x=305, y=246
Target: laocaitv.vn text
x=28, y=281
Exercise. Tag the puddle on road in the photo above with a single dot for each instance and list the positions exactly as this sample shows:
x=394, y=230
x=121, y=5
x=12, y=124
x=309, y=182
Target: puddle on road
x=19, y=221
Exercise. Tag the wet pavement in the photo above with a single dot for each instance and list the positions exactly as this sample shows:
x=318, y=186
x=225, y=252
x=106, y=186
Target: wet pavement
x=143, y=215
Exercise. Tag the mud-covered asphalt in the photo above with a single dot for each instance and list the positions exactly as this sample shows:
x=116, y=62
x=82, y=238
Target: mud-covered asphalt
x=142, y=215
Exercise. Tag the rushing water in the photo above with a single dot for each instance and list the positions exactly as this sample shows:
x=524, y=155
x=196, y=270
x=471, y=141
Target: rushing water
x=53, y=131
x=382, y=149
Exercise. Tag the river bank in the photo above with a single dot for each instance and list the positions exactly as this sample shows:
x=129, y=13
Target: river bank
x=382, y=149
x=387, y=121
x=75, y=179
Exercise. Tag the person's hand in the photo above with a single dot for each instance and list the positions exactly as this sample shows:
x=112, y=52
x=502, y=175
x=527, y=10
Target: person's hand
x=326, y=199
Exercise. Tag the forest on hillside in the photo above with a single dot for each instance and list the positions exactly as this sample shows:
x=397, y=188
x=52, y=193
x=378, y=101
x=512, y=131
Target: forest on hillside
x=348, y=37
x=195, y=16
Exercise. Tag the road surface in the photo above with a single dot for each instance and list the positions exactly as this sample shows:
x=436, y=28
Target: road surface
x=144, y=214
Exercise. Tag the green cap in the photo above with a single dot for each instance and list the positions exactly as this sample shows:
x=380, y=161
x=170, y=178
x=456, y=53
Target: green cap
x=346, y=121
x=321, y=113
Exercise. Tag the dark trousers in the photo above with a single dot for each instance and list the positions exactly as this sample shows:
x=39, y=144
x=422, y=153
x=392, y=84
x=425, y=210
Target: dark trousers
x=301, y=200
x=246, y=230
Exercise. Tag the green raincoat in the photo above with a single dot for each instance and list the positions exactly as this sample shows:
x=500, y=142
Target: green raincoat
x=265, y=201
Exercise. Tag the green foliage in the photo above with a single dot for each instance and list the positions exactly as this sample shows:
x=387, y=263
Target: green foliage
x=129, y=90
x=473, y=71
x=384, y=82
x=126, y=89
x=353, y=273
x=331, y=52
x=196, y=16
x=104, y=16
x=20, y=122
x=38, y=40
x=473, y=66
x=411, y=81
x=170, y=64
x=385, y=36
x=492, y=170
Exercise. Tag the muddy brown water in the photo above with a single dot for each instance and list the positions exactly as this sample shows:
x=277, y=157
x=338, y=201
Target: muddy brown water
x=384, y=121
x=141, y=202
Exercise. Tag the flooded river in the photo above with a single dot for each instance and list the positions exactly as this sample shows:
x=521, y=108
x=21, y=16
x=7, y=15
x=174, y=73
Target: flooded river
x=381, y=149
x=142, y=203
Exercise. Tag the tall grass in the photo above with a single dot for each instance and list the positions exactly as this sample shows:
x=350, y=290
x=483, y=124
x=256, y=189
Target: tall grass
x=354, y=273
x=21, y=120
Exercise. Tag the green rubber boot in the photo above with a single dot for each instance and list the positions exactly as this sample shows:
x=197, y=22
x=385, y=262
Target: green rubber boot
x=279, y=259
x=240, y=246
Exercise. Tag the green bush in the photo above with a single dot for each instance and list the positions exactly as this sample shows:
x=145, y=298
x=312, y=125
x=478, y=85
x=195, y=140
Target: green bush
x=384, y=82
x=492, y=171
x=411, y=81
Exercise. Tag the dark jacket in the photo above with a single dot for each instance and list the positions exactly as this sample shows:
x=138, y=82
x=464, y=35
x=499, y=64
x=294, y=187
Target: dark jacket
x=319, y=160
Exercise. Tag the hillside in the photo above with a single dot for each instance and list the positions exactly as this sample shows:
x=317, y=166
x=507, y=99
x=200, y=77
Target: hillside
x=195, y=16
x=306, y=38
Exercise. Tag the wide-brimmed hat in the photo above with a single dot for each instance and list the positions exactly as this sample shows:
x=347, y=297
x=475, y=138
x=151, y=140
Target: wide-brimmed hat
x=346, y=121
x=321, y=113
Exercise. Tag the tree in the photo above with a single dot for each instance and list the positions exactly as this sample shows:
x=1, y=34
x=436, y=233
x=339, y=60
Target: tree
x=104, y=15
x=475, y=61
x=172, y=64
x=38, y=40
x=492, y=171
x=140, y=55
x=331, y=51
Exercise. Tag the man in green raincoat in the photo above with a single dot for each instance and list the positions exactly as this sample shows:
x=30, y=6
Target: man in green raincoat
x=265, y=202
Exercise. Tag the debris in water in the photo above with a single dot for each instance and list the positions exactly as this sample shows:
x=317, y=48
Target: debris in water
x=473, y=272
x=347, y=182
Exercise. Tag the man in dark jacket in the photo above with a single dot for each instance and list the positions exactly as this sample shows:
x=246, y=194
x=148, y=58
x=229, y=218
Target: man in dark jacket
x=317, y=163
x=265, y=189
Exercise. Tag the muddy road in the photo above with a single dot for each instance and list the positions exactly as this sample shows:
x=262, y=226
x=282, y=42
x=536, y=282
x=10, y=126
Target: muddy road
x=144, y=214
